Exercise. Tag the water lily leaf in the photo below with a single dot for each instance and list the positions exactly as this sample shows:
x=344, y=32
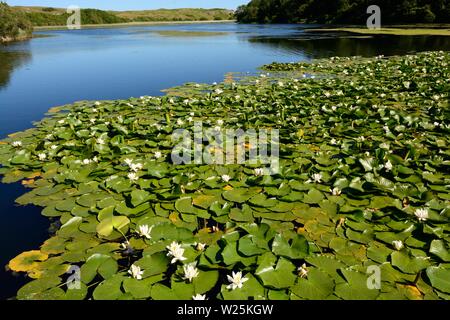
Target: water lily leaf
x=184, y=205
x=153, y=264
x=205, y=281
x=204, y=201
x=408, y=263
x=317, y=286
x=179, y=291
x=296, y=248
x=35, y=290
x=139, y=196
x=239, y=195
x=27, y=261
x=439, y=249
x=275, y=274
x=109, y=289
x=440, y=278
x=108, y=225
x=139, y=289
x=314, y=196
x=158, y=170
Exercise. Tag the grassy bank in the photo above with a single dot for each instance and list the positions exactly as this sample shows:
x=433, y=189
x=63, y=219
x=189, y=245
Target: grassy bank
x=128, y=24
x=363, y=180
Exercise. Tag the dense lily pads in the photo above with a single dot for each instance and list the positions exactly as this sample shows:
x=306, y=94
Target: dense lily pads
x=363, y=181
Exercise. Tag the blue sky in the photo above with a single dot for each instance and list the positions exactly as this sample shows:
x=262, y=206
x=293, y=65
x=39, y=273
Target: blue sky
x=131, y=4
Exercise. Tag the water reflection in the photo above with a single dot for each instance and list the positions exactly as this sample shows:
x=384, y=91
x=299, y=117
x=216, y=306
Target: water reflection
x=10, y=61
x=366, y=46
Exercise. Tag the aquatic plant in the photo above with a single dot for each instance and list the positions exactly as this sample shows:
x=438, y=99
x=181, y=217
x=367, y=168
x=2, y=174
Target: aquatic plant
x=363, y=181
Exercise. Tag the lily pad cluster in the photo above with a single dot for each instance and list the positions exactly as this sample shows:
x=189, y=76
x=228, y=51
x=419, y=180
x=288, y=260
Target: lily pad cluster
x=364, y=181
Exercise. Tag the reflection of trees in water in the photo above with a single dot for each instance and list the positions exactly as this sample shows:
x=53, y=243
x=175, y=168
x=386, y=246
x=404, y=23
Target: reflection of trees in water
x=323, y=47
x=10, y=60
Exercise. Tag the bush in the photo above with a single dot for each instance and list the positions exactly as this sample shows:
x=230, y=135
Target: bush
x=13, y=25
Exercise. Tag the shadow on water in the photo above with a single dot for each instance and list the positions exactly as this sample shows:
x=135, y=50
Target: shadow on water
x=22, y=229
x=10, y=61
x=365, y=46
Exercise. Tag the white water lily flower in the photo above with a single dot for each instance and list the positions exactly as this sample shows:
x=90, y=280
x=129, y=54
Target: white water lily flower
x=220, y=122
x=190, y=119
x=190, y=271
x=42, y=156
x=180, y=122
x=92, y=120
x=135, y=167
x=421, y=214
x=226, y=178
x=97, y=103
x=218, y=91
x=158, y=154
x=237, y=280
x=398, y=244
x=176, y=252
x=136, y=272
x=61, y=121
x=336, y=191
x=86, y=161
x=303, y=271
x=128, y=161
x=201, y=246
x=259, y=172
x=388, y=166
x=199, y=297
x=317, y=177
x=144, y=231
x=16, y=143
x=133, y=177
x=100, y=141
x=281, y=84
x=333, y=141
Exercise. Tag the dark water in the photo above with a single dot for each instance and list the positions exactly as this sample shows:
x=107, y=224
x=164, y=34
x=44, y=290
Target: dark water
x=115, y=63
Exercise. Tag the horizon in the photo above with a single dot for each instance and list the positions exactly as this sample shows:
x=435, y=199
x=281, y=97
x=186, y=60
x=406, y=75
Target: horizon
x=132, y=5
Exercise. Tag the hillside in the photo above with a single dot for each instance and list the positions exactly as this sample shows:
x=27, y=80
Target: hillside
x=186, y=14
x=46, y=16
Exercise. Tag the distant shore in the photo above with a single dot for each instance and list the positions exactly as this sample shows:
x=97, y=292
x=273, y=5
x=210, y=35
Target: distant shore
x=131, y=24
x=401, y=30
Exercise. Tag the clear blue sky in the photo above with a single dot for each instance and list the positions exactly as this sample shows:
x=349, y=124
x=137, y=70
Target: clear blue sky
x=131, y=4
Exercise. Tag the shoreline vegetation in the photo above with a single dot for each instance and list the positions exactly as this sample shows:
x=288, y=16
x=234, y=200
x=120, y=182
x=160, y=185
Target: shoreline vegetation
x=363, y=181
x=17, y=23
x=13, y=26
x=411, y=30
x=343, y=11
x=130, y=24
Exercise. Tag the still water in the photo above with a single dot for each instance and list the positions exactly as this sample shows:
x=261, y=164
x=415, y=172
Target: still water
x=60, y=67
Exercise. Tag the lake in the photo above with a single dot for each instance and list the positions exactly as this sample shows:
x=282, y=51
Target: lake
x=61, y=66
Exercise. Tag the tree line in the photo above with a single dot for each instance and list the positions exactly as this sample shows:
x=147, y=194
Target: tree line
x=343, y=11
